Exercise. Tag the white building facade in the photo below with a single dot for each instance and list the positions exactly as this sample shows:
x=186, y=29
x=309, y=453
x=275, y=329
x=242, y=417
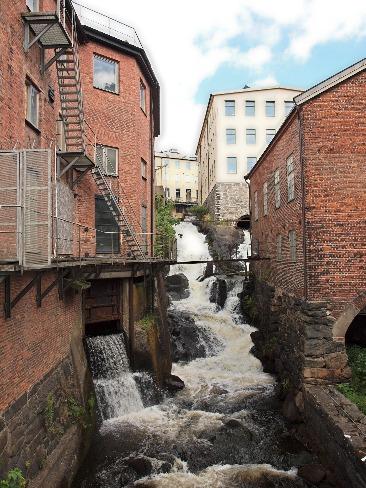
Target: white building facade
x=177, y=175
x=237, y=128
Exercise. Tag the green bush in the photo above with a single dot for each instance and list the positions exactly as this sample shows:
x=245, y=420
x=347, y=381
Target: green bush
x=355, y=391
x=165, y=223
x=14, y=479
x=200, y=211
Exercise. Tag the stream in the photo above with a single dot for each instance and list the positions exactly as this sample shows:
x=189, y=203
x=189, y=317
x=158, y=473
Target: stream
x=223, y=430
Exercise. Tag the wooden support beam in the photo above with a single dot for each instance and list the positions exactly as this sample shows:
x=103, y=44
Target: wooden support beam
x=131, y=321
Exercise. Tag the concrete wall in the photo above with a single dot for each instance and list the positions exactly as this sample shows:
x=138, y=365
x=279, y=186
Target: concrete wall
x=228, y=201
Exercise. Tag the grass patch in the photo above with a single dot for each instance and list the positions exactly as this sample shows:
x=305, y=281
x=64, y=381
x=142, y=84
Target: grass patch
x=355, y=391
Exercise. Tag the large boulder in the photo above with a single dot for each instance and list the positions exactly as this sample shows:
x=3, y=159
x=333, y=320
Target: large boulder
x=218, y=292
x=177, y=286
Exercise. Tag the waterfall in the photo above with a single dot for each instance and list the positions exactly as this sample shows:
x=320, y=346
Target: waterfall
x=115, y=387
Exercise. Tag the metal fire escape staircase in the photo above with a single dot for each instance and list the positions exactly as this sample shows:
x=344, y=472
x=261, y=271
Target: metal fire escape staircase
x=57, y=31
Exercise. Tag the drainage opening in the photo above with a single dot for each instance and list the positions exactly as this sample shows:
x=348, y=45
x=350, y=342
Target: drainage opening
x=103, y=328
x=243, y=222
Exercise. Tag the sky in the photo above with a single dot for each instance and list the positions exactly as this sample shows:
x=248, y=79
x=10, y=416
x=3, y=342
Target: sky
x=198, y=47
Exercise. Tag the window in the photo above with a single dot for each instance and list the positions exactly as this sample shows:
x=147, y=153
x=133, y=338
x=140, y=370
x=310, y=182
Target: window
x=250, y=136
x=144, y=227
x=107, y=157
x=142, y=96
x=230, y=107
x=288, y=106
x=188, y=195
x=177, y=194
x=105, y=74
x=251, y=161
x=255, y=247
x=277, y=189
x=290, y=179
x=188, y=165
x=33, y=5
x=231, y=164
x=230, y=136
x=196, y=194
x=167, y=192
x=107, y=230
x=143, y=169
x=249, y=108
x=270, y=133
x=270, y=109
x=32, y=114
x=177, y=164
x=279, y=247
x=265, y=199
x=292, y=242
x=256, y=205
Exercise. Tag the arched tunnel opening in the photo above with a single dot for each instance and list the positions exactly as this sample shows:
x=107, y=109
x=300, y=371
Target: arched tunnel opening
x=356, y=332
x=243, y=222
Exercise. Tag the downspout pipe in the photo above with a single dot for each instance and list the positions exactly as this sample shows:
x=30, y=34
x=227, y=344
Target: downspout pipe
x=303, y=208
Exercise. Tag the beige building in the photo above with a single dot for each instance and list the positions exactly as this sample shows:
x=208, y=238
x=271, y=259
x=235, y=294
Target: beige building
x=237, y=128
x=177, y=175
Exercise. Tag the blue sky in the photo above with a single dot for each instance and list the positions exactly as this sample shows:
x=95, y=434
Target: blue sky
x=197, y=47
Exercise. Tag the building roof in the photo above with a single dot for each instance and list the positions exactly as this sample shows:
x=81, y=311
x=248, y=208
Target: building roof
x=308, y=95
x=174, y=154
x=97, y=27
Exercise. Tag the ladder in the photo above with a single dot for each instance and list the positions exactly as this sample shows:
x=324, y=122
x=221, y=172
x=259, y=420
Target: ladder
x=114, y=205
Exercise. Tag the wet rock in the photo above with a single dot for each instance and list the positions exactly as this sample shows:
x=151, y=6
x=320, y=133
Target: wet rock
x=218, y=293
x=218, y=390
x=141, y=464
x=235, y=424
x=290, y=410
x=174, y=383
x=313, y=473
x=177, y=286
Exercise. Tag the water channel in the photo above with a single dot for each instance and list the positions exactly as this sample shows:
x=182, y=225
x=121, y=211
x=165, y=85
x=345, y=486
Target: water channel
x=223, y=430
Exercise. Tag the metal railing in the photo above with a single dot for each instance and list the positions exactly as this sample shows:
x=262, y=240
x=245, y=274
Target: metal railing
x=102, y=23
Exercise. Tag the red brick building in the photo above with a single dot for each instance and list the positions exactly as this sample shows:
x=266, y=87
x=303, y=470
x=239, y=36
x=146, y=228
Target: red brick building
x=79, y=111
x=308, y=208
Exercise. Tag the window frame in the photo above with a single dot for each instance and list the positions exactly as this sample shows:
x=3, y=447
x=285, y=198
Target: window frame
x=265, y=198
x=143, y=169
x=227, y=107
x=292, y=246
x=270, y=133
x=270, y=104
x=286, y=104
x=142, y=96
x=251, y=157
x=32, y=9
x=105, y=157
x=277, y=188
x=117, y=75
x=256, y=212
x=31, y=86
x=279, y=247
x=248, y=135
x=290, y=168
x=232, y=134
x=177, y=190
x=229, y=162
x=249, y=107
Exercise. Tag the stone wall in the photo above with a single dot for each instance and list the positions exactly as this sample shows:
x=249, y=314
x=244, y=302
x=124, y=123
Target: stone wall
x=337, y=430
x=295, y=338
x=228, y=201
x=46, y=430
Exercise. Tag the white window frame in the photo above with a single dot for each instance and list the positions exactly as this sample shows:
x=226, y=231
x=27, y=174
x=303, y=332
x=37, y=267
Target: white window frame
x=249, y=104
x=250, y=133
x=30, y=87
x=227, y=165
x=248, y=164
x=265, y=198
x=180, y=195
x=290, y=178
x=256, y=205
x=279, y=247
x=232, y=107
x=292, y=244
x=270, y=104
x=143, y=96
x=116, y=73
x=104, y=161
x=277, y=188
x=288, y=108
x=270, y=133
x=230, y=133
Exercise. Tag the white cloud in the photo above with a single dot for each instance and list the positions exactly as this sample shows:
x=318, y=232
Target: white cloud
x=188, y=41
x=269, y=80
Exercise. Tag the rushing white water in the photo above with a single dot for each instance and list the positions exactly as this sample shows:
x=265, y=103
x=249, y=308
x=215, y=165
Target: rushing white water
x=115, y=387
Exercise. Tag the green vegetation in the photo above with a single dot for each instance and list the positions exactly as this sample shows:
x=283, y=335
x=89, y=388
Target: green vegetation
x=200, y=211
x=249, y=307
x=79, y=414
x=147, y=322
x=164, y=227
x=14, y=479
x=355, y=391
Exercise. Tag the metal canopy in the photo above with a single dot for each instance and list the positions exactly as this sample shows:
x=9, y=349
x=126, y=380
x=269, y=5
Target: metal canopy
x=47, y=30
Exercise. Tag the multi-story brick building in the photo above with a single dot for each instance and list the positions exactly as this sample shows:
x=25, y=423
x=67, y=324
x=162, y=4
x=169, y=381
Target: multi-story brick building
x=308, y=208
x=79, y=111
x=237, y=127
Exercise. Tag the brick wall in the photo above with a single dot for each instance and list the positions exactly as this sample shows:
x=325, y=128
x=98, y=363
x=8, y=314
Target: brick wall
x=283, y=273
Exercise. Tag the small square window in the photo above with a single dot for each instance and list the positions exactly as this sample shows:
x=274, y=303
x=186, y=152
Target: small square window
x=251, y=162
x=107, y=157
x=230, y=107
x=289, y=104
x=142, y=96
x=250, y=108
x=105, y=74
x=231, y=163
x=230, y=136
x=32, y=113
x=270, y=109
x=143, y=169
x=270, y=133
x=250, y=136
